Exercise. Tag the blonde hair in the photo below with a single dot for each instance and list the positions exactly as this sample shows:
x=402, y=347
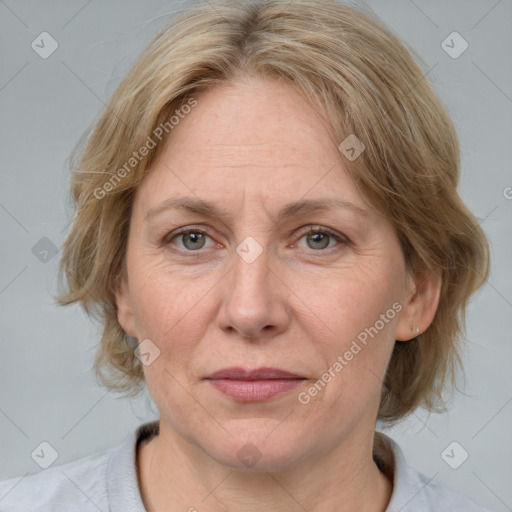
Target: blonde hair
x=367, y=84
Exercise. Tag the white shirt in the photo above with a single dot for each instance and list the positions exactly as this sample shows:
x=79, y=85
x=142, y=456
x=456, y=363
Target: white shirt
x=107, y=482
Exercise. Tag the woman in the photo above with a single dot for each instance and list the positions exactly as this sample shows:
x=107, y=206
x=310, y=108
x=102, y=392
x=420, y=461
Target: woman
x=268, y=225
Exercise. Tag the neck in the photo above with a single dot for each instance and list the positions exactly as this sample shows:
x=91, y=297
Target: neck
x=175, y=475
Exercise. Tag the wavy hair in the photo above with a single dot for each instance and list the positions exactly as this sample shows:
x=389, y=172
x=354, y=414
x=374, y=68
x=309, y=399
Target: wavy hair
x=365, y=82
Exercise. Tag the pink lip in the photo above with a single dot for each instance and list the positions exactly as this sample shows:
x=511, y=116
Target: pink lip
x=253, y=385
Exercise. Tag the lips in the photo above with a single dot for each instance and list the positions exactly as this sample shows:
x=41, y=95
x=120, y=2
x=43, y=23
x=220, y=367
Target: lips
x=254, y=385
x=236, y=373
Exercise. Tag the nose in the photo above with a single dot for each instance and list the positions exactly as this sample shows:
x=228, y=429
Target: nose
x=254, y=301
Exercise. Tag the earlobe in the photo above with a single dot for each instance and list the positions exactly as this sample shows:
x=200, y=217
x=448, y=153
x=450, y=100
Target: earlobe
x=421, y=306
x=124, y=307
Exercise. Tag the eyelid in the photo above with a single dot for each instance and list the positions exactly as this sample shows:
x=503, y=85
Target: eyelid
x=166, y=239
x=309, y=229
x=318, y=228
x=314, y=229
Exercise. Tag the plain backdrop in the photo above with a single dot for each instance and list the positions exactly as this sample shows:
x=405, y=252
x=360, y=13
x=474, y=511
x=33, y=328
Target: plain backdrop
x=47, y=389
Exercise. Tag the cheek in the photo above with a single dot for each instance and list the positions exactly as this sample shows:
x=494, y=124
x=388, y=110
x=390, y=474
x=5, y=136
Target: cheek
x=164, y=299
x=359, y=311
x=172, y=312
x=351, y=301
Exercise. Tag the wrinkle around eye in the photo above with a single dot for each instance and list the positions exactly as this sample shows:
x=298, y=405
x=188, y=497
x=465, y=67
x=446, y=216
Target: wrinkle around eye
x=179, y=234
x=176, y=242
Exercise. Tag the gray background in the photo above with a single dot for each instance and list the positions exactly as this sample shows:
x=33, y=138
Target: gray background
x=47, y=389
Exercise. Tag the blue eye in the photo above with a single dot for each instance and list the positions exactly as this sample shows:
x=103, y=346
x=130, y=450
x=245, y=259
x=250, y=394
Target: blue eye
x=192, y=239
x=320, y=238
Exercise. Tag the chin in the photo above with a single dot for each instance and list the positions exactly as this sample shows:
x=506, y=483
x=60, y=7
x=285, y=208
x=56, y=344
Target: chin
x=257, y=450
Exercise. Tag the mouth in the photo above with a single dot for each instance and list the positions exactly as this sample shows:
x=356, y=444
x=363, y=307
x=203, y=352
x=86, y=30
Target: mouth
x=254, y=385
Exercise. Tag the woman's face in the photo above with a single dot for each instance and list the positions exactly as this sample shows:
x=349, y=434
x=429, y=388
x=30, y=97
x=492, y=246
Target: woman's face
x=246, y=286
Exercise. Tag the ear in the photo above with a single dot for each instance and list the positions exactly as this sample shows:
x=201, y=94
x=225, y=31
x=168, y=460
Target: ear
x=124, y=307
x=423, y=292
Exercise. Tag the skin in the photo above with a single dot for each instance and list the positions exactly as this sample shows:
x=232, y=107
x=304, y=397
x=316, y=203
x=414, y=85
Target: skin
x=251, y=147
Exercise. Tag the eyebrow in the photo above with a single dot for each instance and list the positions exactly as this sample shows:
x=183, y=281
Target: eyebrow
x=209, y=209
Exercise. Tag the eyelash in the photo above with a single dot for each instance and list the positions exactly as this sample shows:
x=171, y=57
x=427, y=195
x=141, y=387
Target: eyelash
x=340, y=239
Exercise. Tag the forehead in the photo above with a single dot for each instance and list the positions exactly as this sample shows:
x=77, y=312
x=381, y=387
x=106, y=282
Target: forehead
x=253, y=110
x=257, y=138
